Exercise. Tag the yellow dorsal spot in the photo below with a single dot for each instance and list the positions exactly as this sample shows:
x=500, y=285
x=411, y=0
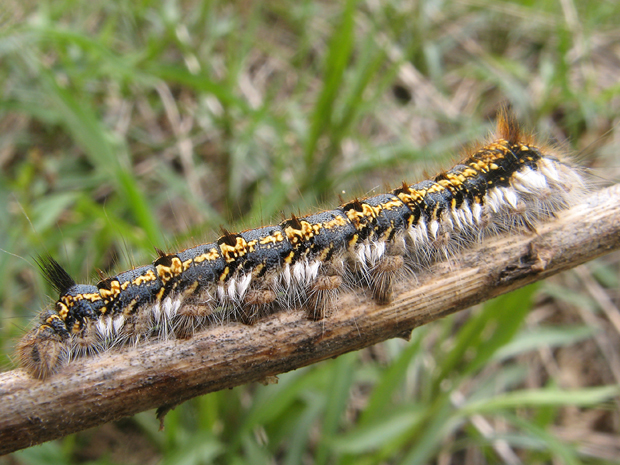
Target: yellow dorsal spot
x=272, y=238
x=146, y=278
x=166, y=273
x=232, y=252
x=211, y=255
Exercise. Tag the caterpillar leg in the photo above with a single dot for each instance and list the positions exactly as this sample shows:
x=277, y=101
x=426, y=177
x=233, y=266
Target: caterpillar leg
x=322, y=296
x=383, y=276
x=42, y=352
x=194, y=314
x=256, y=302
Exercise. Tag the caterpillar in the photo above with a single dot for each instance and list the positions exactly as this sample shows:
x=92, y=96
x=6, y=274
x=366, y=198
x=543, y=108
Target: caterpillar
x=508, y=184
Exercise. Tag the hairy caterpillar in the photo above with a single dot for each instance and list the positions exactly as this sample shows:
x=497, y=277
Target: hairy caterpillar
x=509, y=183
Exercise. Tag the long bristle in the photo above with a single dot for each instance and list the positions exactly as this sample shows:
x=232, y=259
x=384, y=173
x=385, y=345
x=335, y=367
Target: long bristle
x=507, y=126
x=54, y=273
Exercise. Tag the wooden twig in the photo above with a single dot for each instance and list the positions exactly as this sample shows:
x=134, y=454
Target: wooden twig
x=97, y=390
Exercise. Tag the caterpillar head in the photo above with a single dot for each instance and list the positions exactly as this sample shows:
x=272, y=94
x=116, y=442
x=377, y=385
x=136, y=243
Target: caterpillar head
x=45, y=349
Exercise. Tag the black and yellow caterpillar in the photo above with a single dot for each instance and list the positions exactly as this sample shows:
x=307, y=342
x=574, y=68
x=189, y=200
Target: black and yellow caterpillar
x=505, y=185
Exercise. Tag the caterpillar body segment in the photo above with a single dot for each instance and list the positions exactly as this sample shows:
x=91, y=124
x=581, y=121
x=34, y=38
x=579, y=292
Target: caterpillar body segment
x=505, y=186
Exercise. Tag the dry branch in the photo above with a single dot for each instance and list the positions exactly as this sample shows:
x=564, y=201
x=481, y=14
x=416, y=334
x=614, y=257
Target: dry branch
x=97, y=390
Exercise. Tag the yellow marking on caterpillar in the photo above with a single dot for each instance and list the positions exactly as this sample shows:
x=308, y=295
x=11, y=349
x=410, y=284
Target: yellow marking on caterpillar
x=191, y=289
x=392, y=204
x=388, y=231
x=257, y=270
x=325, y=252
x=160, y=294
x=272, y=238
x=70, y=300
x=232, y=252
x=166, y=273
x=437, y=187
x=415, y=197
x=368, y=212
x=64, y=311
x=114, y=290
x=210, y=256
x=334, y=223
x=251, y=246
x=295, y=236
x=145, y=278
x=225, y=273
x=128, y=310
x=51, y=318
